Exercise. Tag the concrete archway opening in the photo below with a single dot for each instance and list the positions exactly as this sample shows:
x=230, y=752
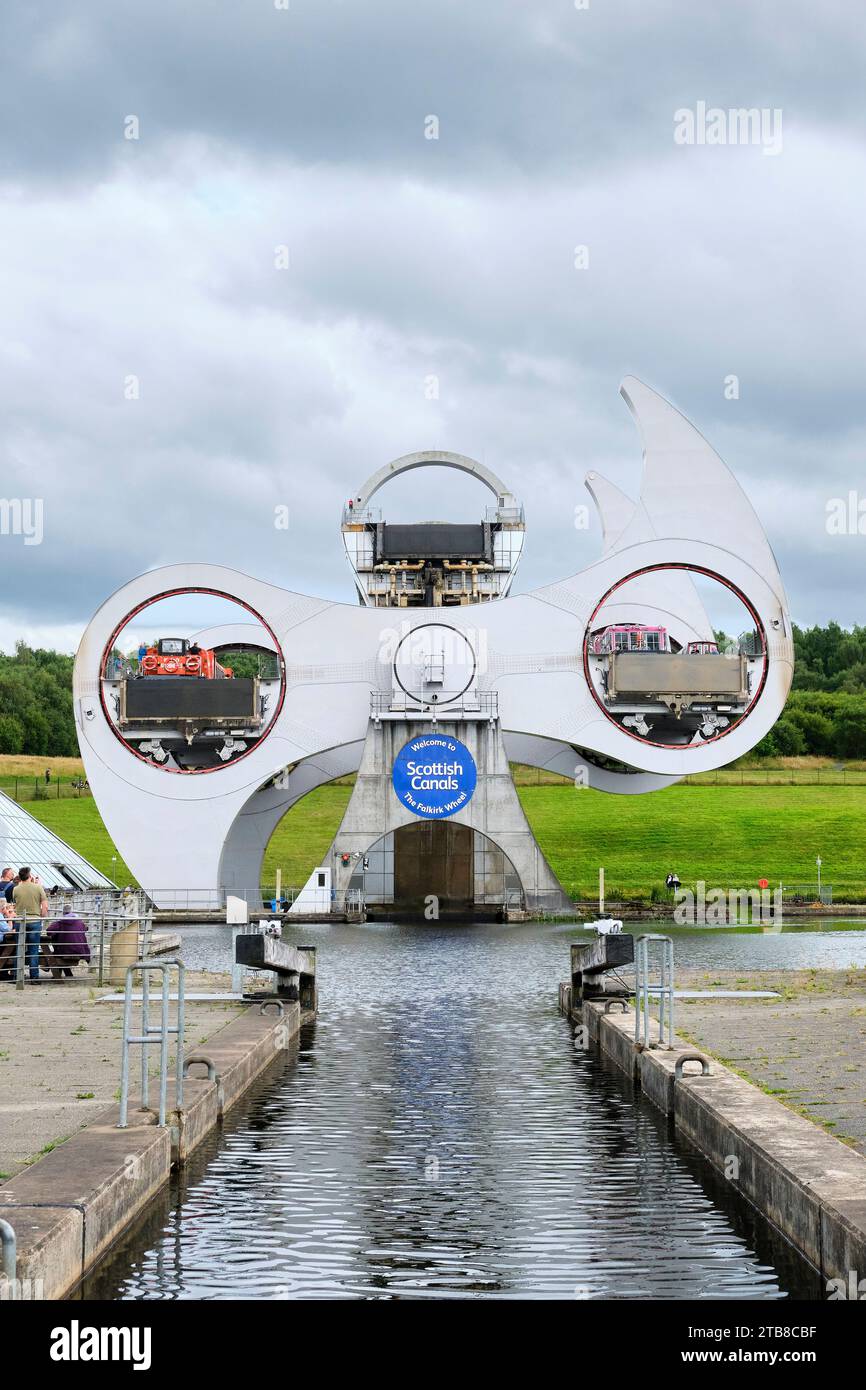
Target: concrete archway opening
x=437, y=870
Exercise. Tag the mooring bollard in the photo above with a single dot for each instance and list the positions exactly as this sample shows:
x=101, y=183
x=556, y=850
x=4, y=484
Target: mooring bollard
x=691, y=1057
x=272, y=1004
x=201, y=1059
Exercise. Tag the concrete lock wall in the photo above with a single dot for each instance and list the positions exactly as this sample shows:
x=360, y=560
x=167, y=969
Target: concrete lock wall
x=806, y=1182
x=69, y=1207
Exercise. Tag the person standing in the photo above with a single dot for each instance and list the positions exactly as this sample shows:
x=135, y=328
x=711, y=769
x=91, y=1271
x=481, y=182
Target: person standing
x=28, y=898
x=8, y=880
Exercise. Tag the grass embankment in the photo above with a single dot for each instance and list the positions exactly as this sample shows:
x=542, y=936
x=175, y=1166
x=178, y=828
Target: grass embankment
x=729, y=835
x=21, y=765
x=23, y=777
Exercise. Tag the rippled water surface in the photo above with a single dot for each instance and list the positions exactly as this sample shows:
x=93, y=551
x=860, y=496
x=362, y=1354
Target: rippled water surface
x=437, y=1134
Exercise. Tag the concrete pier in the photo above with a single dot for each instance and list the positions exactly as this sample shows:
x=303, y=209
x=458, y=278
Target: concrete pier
x=807, y=1183
x=806, y=1047
x=60, y=1059
x=69, y=1206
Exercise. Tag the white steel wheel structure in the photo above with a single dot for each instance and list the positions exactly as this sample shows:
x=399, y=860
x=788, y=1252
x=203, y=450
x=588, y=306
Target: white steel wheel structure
x=206, y=834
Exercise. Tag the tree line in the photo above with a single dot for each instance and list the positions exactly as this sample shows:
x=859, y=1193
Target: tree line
x=36, y=703
x=825, y=714
x=36, y=697
x=826, y=711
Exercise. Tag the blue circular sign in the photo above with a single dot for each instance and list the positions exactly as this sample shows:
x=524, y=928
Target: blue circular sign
x=434, y=776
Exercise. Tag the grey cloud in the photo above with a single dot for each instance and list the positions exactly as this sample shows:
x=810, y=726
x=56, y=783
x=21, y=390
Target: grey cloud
x=518, y=87
x=411, y=258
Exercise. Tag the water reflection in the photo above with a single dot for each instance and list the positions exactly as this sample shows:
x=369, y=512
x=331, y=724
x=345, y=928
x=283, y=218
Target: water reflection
x=833, y=944
x=439, y=1135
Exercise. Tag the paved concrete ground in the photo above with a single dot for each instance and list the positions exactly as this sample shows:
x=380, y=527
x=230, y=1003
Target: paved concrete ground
x=60, y=1059
x=808, y=1049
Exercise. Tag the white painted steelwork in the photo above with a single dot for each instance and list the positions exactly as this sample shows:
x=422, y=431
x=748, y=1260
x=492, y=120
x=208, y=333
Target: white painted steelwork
x=211, y=827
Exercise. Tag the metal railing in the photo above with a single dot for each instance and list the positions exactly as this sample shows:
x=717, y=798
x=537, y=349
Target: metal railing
x=190, y=899
x=483, y=703
x=151, y=1035
x=663, y=988
x=510, y=514
x=778, y=777
x=214, y=899
x=118, y=902
x=33, y=947
x=808, y=893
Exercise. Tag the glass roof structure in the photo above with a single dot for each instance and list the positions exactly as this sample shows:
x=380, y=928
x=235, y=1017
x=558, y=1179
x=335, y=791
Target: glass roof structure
x=25, y=840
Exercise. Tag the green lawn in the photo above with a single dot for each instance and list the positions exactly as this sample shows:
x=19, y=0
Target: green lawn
x=79, y=823
x=730, y=836
x=304, y=835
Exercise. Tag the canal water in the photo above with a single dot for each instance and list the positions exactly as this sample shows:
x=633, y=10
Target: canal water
x=435, y=1133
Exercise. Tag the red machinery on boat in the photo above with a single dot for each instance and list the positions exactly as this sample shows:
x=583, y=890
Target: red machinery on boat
x=177, y=656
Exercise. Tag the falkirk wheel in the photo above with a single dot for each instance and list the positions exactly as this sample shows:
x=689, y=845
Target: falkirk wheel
x=432, y=684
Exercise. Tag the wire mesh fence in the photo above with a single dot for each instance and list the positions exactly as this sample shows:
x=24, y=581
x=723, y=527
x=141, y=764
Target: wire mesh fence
x=809, y=893
x=779, y=777
x=45, y=788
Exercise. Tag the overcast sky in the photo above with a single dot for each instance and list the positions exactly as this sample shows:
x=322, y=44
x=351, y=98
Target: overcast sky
x=409, y=258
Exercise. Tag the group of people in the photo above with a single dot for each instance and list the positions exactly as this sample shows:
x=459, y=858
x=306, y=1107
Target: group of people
x=56, y=947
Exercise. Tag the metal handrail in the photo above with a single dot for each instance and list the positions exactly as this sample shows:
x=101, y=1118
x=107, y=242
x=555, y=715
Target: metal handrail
x=99, y=926
x=664, y=988
x=354, y=902
x=485, y=702
x=150, y=1035
x=9, y=1241
x=512, y=514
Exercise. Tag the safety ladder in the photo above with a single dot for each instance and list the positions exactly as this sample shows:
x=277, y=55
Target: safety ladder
x=152, y=1034
x=663, y=987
